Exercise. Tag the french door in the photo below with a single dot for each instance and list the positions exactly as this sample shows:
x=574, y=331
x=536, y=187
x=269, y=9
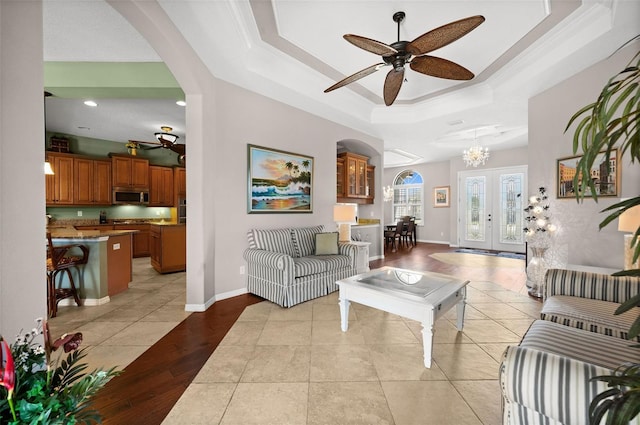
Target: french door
x=491, y=204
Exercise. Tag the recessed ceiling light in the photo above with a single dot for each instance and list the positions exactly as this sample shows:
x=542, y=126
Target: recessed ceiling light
x=181, y=103
x=90, y=103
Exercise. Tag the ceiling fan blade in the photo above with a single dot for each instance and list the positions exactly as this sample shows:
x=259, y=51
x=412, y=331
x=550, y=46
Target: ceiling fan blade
x=392, y=85
x=140, y=142
x=441, y=68
x=351, y=78
x=443, y=35
x=373, y=46
x=179, y=149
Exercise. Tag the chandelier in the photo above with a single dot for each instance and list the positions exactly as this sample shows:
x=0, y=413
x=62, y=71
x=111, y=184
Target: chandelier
x=387, y=192
x=476, y=154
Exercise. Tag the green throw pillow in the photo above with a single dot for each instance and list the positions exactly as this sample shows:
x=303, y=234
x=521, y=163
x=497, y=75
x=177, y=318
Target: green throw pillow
x=327, y=243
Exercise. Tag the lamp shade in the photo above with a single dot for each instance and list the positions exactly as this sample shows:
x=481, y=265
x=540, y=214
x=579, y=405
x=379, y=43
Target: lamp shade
x=47, y=168
x=345, y=213
x=629, y=221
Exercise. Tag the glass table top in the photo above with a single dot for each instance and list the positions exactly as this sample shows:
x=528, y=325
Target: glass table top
x=412, y=283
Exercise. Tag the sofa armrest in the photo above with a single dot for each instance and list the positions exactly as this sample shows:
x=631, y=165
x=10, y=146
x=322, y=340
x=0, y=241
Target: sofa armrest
x=595, y=286
x=351, y=250
x=555, y=386
x=269, y=259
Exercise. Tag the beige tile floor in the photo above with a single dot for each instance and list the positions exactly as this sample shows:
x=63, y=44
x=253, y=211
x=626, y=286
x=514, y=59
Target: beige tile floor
x=295, y=366
x=116, y=333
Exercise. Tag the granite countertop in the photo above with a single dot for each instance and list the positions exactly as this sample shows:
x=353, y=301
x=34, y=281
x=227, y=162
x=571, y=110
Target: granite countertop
x=71, y=233
x=110, y=222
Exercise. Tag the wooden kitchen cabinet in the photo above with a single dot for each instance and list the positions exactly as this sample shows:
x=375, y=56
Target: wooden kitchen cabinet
x=141, y=239
x=354, y=179
x=59, y=186
x=92, y=182
x=168, y=247
x=129, y=171
x=340, y=177
x=371, y=182
x=161, y=183
x=179, y=184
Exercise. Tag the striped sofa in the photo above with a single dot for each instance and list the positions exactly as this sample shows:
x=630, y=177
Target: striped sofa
x=282, y=267
x=546, y=379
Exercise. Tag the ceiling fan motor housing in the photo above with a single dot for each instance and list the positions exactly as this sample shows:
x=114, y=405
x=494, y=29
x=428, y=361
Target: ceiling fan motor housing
x=399, y=59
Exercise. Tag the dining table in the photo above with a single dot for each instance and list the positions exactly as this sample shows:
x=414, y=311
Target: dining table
x=391, y=227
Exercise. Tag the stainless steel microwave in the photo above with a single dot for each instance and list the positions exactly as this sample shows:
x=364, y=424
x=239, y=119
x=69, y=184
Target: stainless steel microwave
x=129, y=196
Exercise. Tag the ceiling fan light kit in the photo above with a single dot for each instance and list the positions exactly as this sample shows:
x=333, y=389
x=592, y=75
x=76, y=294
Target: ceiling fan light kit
x=400, y=53
x=166, y=140
x=166, y=135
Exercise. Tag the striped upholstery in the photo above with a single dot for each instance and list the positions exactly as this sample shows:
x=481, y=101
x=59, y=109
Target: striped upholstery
x=592, y=315
x=276, y=240
x=546, y=380
x=579, y=344
x=596, y=286
x=587, y=301
x=308, y=265
x=275, y=272
x=304, y=239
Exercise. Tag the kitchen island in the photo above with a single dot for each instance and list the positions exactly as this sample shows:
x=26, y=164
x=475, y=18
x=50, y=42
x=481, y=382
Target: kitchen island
x=108, y=271
x=168, y=247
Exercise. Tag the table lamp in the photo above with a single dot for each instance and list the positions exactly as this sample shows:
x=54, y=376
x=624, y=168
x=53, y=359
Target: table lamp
x=629, y=221
x=345, y=215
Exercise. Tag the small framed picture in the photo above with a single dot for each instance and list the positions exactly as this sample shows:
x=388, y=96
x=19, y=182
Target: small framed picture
x=441, y=196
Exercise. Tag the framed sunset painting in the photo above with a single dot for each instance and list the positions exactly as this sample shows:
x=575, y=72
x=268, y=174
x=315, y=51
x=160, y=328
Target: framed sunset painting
x=278, y=181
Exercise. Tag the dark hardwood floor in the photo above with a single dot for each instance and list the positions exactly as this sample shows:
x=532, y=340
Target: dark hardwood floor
x=153, y=383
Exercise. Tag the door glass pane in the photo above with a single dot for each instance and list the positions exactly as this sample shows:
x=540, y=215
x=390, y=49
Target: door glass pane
x=511, y=211
x=476, y=208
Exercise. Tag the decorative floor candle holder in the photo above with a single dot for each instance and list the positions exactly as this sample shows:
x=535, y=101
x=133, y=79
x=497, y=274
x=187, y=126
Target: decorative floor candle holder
x=536, y=270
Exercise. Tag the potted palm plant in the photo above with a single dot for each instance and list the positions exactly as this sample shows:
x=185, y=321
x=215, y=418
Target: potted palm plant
x=613, y=121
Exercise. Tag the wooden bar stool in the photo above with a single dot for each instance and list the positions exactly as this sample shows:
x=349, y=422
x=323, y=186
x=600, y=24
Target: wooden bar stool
x=59, y=259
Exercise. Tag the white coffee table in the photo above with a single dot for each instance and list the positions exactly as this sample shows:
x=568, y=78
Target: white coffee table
x=420, y=296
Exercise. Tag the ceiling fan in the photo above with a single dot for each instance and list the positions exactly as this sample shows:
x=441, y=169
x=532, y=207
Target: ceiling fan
x=166, y=140
x=414, y=53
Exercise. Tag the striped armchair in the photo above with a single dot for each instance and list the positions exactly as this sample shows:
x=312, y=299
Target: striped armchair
x=283, y=268
x=588, y=301
x=546, y=380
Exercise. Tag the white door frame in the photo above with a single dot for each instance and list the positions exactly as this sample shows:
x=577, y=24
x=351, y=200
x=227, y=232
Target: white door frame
x=494, y=235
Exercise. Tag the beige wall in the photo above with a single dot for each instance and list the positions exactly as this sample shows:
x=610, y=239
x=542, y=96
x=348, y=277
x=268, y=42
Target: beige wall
x=579, y=241
x=441, y=223
x=22, y=205
x=250, y=118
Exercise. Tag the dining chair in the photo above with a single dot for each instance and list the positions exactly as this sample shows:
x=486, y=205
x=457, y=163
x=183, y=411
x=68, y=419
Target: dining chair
x=408, y=232
x=391, y=236
x=62, y=258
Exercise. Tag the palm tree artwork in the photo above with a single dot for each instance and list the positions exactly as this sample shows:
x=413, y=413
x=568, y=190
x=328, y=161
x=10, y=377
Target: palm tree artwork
x=279, y=181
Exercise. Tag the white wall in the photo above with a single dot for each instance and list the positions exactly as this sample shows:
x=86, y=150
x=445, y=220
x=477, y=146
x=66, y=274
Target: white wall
x=22, y=203
x=549, y=113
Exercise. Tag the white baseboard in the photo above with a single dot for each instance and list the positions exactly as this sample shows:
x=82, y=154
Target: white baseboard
x=89, y=302
x=212, y=300
x=436, y=242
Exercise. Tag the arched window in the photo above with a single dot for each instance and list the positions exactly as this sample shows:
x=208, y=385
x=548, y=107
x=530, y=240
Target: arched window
x=408, y=196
